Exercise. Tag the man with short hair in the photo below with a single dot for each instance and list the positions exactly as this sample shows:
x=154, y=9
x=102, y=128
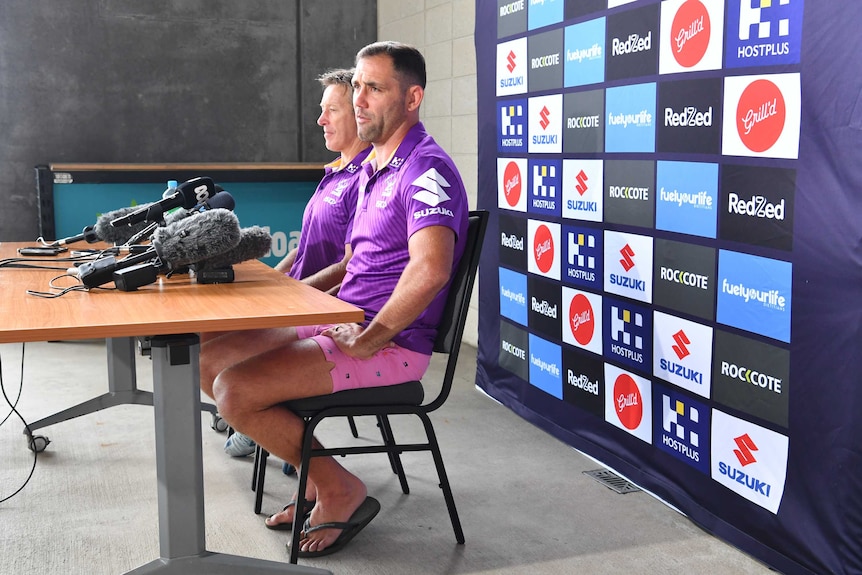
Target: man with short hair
x=321, y=257
x=409, y=233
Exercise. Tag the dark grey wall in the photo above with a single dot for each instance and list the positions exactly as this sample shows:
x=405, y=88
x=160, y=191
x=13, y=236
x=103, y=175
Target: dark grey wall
x=126, y=81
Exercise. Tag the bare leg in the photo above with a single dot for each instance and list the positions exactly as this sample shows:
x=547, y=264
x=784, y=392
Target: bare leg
x=249, y=395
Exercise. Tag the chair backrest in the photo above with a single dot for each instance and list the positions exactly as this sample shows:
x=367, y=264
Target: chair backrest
x=451, y=328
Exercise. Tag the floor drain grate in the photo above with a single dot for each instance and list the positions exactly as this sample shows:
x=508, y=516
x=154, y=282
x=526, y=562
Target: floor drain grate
x=612, y=481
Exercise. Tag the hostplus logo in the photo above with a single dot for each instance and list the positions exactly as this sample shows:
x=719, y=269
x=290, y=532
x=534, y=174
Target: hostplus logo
x=764, y=32
x=628, y=330
x=512, y=127
x=684, y=429
x=545, y=186
x=583, y=256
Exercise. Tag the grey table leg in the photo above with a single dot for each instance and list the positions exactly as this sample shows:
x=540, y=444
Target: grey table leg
x=179, y=471
x=122, y=387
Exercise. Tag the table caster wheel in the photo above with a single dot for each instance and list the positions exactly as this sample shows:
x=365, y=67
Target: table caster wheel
x=218, y=423
x=37, y=443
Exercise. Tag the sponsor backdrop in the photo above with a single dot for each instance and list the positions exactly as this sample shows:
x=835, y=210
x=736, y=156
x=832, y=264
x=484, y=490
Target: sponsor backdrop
x=673, y=281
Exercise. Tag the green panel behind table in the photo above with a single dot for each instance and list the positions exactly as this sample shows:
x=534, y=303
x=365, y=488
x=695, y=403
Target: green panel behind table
x=277, y=206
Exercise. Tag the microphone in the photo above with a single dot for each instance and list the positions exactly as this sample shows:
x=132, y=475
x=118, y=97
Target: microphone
x=254, y=242
x=180, y=244
x=88, y=233
x=187, y=195
x=221, y=199
x=108, y=233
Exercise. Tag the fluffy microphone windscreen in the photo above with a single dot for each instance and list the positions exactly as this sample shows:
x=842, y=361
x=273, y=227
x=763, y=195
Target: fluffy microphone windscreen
x=120, y=235
x=199, y=237
x=254, y=243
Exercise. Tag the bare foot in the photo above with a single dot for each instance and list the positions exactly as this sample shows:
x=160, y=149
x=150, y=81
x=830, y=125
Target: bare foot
x=286, y=515
x=337, y=506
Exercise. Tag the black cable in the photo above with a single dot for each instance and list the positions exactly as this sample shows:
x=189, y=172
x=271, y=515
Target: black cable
x=26, y=425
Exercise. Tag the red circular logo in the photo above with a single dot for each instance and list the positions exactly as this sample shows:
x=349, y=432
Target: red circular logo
x=628, y=403
x=689, y=33
x=512, y=184
x=760, y=115
x=543, y=249
x=581, y=319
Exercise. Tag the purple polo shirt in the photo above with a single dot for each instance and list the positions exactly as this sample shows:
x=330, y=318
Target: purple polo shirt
x=328, y=218
x=419, y=187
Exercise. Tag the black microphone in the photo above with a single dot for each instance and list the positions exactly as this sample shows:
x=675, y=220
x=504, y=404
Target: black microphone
x=221, y=199
x=188, y=195
x=180, y=244
x=88, y=233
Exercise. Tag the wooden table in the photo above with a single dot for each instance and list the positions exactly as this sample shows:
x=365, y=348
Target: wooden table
x=171, y=311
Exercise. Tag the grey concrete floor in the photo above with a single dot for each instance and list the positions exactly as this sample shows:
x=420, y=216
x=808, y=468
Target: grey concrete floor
x=525, y=504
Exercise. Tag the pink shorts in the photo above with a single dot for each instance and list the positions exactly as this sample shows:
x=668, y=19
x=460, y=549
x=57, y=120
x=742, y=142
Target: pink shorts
x=389, y=366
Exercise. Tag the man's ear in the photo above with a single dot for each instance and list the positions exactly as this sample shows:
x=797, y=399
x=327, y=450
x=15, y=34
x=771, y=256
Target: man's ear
x=415, y=94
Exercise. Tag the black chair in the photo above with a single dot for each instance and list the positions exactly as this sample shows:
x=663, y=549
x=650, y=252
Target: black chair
x=402, y=399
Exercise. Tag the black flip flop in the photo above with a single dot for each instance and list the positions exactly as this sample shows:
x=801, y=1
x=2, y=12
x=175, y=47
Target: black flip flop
x=287, y=526
x=360, y=518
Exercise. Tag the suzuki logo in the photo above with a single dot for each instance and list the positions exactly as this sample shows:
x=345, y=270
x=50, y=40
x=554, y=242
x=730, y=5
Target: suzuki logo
x=511, y=59
x=544, y=122
x=746, y=446
x=627, y=262
x=582, y=182
x=681, y=341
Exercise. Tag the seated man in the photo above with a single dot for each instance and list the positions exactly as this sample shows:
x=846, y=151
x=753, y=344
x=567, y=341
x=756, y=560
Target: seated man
x=321, y=257
x=408, y=236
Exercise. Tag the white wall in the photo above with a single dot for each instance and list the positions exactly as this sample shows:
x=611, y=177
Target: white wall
x=443, y=31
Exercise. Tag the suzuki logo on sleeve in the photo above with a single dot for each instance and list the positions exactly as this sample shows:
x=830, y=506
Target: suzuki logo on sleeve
x=627, y=262
x=681, y=342
x=432, y=183
x=744, y=453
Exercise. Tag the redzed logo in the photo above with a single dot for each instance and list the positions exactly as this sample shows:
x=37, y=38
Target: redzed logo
x=544, y=249
x=744, y=453
x=681, y=341
x=760, y=115
x=690, y=33
x=629, y=404
x=581, y=319
x=582, y=183
x=511, y=62
x=628, y=253
x=512, y=183
x=544, y=113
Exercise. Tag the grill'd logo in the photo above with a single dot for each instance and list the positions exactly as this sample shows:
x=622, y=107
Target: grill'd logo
x=690, y=33
x=760, y=115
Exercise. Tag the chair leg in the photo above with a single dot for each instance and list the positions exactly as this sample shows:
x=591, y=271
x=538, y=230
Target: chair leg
x=394, y=456
x=444, y=479
x=302, y=474
x=260, y=456
x=352, y=424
